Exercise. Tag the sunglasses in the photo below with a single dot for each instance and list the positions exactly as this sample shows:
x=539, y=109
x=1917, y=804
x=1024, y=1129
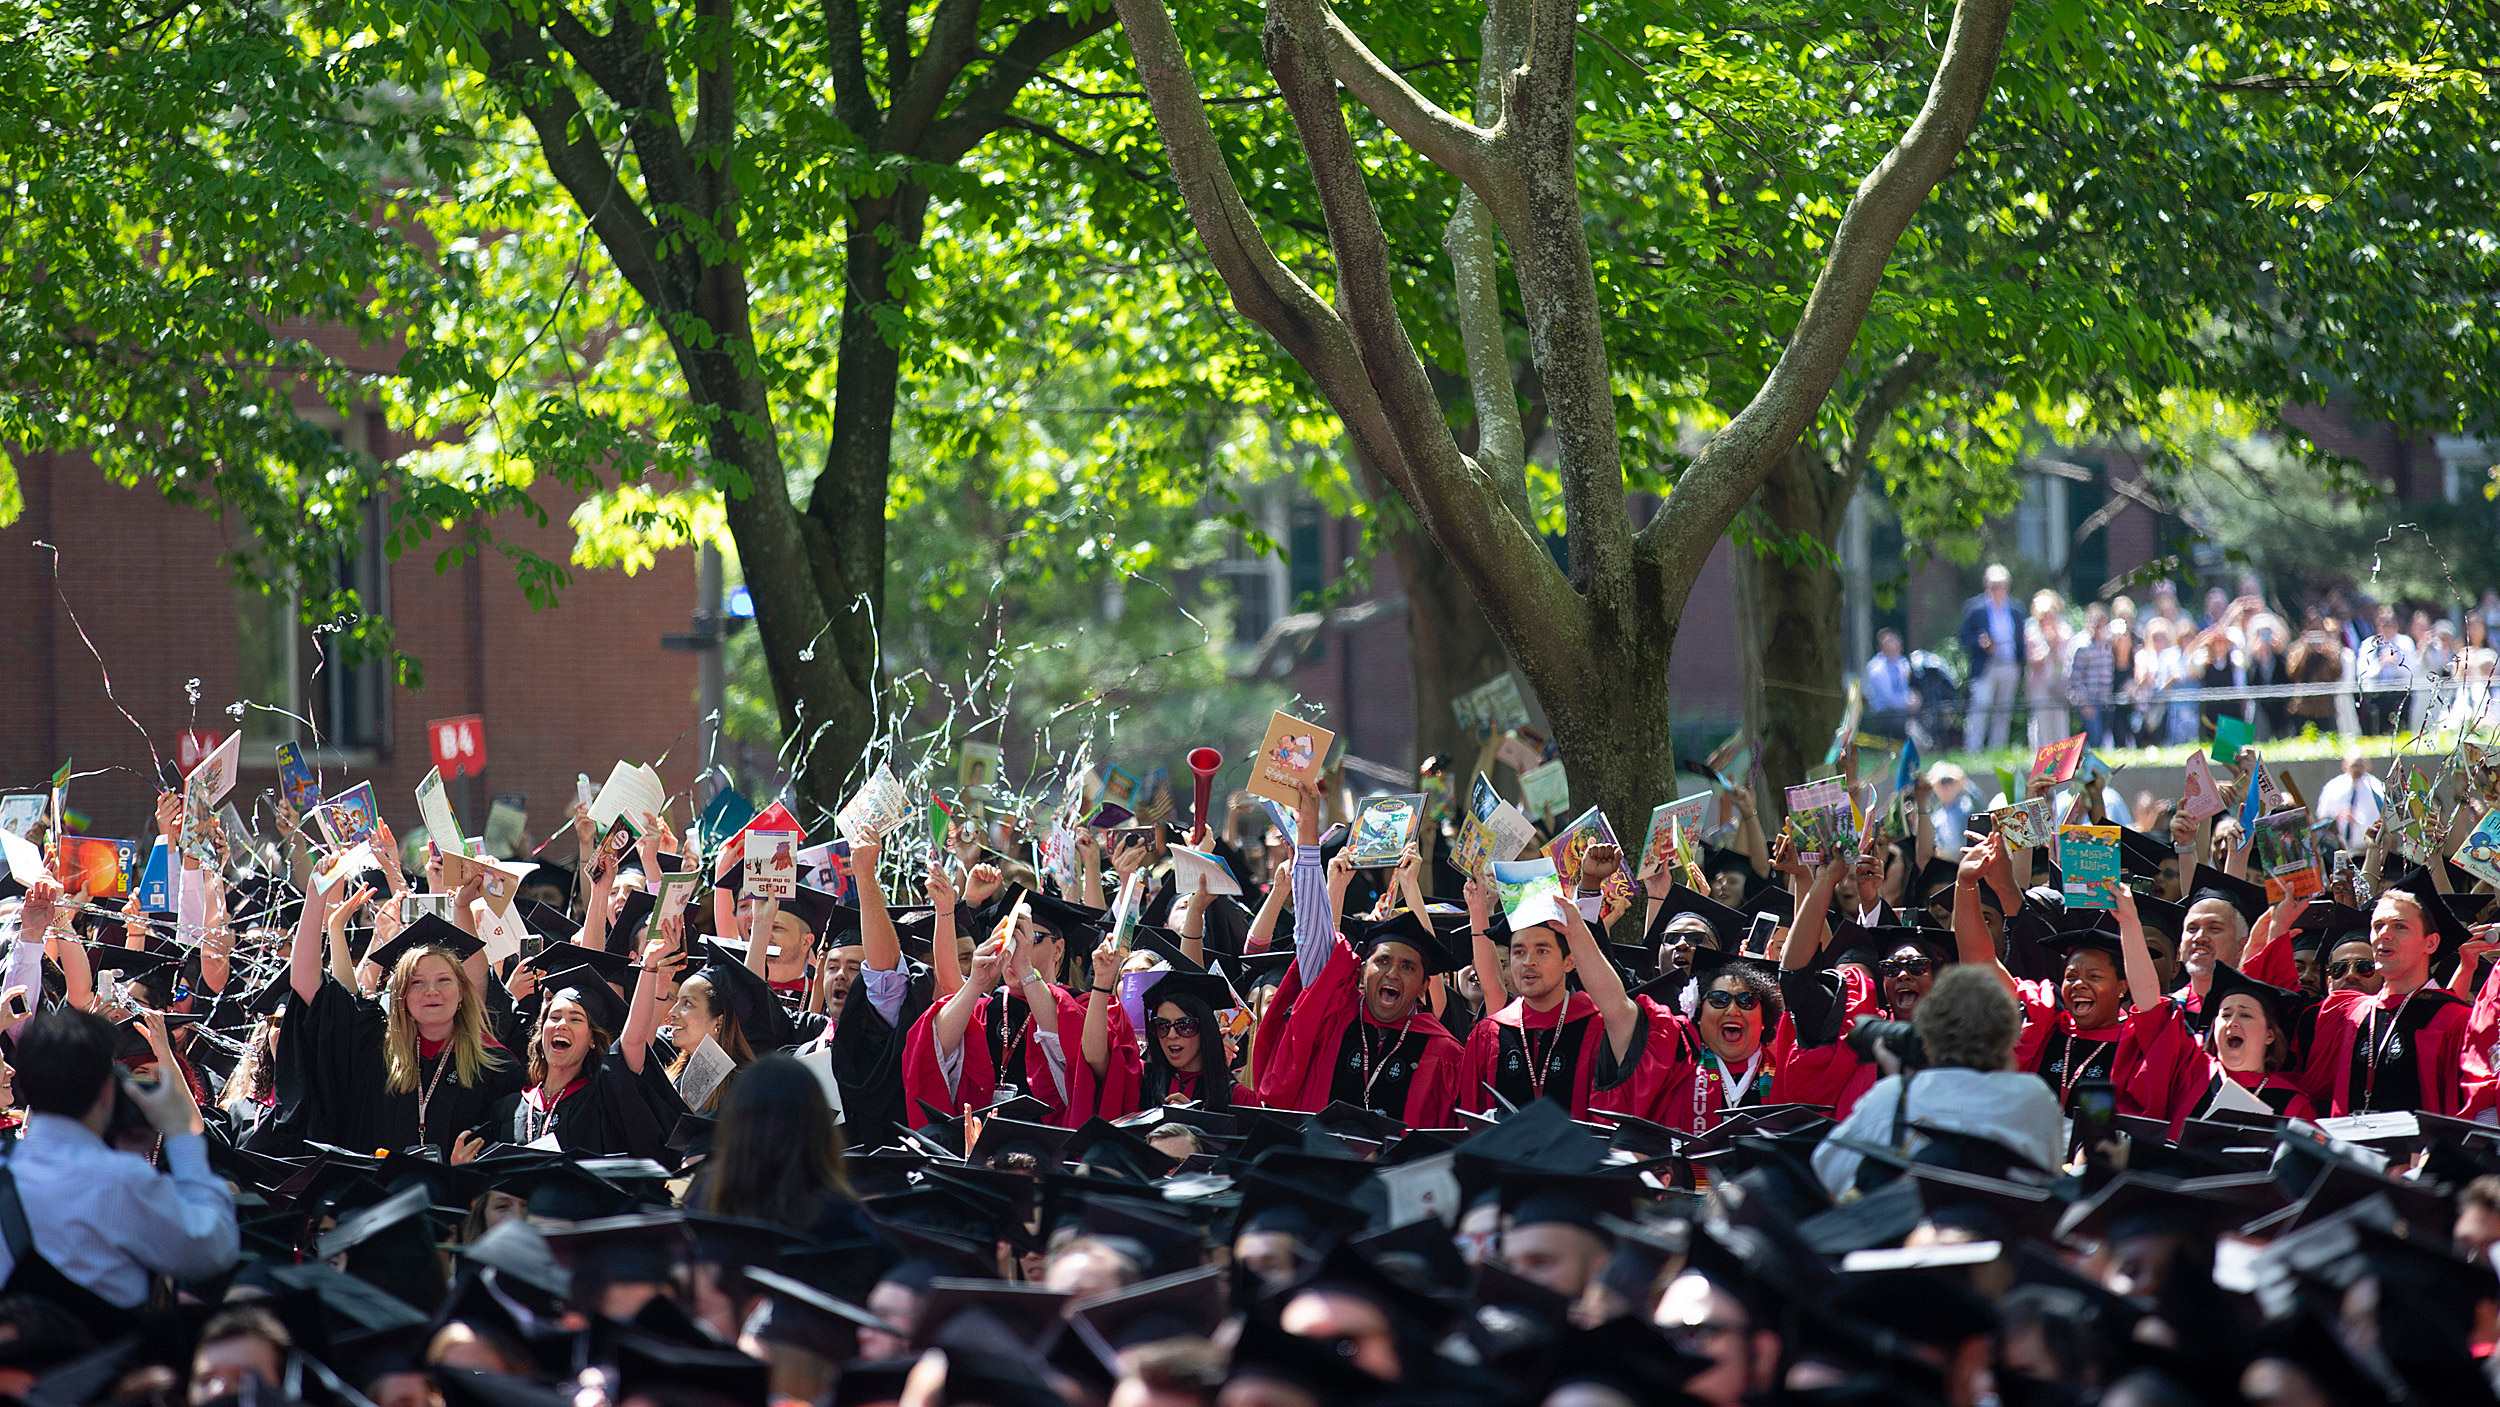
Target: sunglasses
x=1909, y=967
x=2352, y=967
x=1721, y=1001
x=1163, y=1026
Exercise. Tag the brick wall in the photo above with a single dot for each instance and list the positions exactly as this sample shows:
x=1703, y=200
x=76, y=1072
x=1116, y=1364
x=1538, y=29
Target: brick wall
x=565, y=690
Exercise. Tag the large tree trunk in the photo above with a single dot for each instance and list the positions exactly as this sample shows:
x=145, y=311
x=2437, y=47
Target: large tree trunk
x=1449, y=642
x=1805, y=496
x=1609, y=713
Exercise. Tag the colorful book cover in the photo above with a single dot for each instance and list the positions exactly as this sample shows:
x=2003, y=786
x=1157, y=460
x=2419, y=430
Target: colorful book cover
x=1524, y=750
x=1482, y=799
x=97, y=867
x=976, y=765
x=1501, y=705
x=671, y=898
x=1155, y=805
x=2087, y=856
x=1191, y=868
x=20, y=814
x=1530, y=890
x=1482, y=841
x=1819, y=819
x=1289, y=756
x=828, y=867
x=1658, y=847
x=2283, y=851
x=507, y=817
x=2479, y=852
x=1383, y=829
x=1545, y=791
x=1566, y=849
x=349, y=817
x=215, y=776
x=2026, y=823
x=295, y=780
x=772, y=864
x=2057, y=761
x=156, y=883
x=2199, y=795
x=434, y=810
x=878, y=806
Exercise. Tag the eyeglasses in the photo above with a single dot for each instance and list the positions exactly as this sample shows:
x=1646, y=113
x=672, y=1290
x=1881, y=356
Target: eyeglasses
x=2352, y=967
x=1721, y=1001
x=1909, y=967
x=1163, y=1026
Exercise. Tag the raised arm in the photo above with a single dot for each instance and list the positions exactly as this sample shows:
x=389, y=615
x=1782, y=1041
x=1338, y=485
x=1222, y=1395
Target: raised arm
x=881, y=947
x=217, y=939
x=1482, y=950
x=1314, y=906
x=760, y=937
x=1089, y=866
x=1408, y=876
x=1262, y=933
x=987, y=962
x=1981, y=863
x=642, y=1013
x=304, y=959
x=1603, y=984
x=342, y=961
x=2143, y=979
x=944, y=960
x=1107, y=961
x=1813, y=927
x=1193, y=924
x=1749, y=837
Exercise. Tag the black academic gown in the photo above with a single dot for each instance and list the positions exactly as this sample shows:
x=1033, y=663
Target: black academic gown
x=868, y=1060
x=332, y=1080
x=613, y=1113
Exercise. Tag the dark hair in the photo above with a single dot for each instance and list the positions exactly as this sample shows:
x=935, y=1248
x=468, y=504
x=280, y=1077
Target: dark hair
x=776, y=1151
x=1215, y=1076
x=63, y=1058
x=600, y=1039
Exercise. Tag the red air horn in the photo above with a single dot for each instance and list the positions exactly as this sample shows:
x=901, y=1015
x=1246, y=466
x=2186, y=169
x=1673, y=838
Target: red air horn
x=1203, y=761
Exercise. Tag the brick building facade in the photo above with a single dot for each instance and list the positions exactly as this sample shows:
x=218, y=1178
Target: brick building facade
x=562, y=691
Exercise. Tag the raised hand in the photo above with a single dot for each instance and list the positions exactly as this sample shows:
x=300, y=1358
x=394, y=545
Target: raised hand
x=941, y=887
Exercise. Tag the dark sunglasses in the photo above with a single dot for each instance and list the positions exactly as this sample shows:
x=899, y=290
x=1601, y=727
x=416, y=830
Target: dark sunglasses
x=1721, y=1001
x=2352, y=967
x=1909, y=967
x=1173, y=1025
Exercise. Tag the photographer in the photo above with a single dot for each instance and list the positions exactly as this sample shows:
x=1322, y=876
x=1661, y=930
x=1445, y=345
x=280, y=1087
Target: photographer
x=85, y=1225
x=1956, y=1077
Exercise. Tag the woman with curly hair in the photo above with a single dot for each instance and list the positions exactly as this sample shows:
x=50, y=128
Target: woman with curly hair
x=416, y=1067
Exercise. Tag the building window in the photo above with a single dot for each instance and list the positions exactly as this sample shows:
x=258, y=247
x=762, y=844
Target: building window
x=1305, y=555
x=283, y=664
x=1257, y=578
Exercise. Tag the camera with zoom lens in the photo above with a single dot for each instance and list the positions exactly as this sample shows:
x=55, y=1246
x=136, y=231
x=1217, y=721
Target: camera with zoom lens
x=1900, y=1037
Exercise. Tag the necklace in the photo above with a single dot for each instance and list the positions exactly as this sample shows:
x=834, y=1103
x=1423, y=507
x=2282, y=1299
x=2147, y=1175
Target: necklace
x=1539, y=1059
x=2380, y=1045
x=425, y=1096
x=1391, y=1048
x=534, y=1128
x=2073, y=1074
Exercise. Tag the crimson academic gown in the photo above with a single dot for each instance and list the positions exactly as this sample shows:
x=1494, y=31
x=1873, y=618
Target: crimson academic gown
x=2480, y=1060
x=1581, y=1072
x=2053, y=1049
x=2177, y=1079
x=2431, y=1036
x=1298, y=1046
x=1111, y=1096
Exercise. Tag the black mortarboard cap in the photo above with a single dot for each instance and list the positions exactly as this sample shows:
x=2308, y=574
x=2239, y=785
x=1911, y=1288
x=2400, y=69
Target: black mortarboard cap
x=640, y=1246
x=2141, y=854
x=598, y=1000
x=2453, y=933
x=1004, y=1137
x=2135, y=1203
x=1318, y=1366
x=1410, y=929
x=1105, y=1149
x=2325, y=921
x=429, y=930
x=2247, y=897
x=809, y=1318
x=1729, y=924
x=462, y=1387
x=1186, y=1302
x=1208, y=987
x=616, y=967
x=515, y=1249
x=1027, y=1310
x=749, y=997
x=653, y=1367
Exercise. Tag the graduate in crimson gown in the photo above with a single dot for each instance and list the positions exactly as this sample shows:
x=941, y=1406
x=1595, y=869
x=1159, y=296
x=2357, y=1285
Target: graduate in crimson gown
x=2095, y=1021
x=1354, y=1026
x=2405, y=1046
x=2249, y=1042
x=1583, y=1049
x=961, y=1050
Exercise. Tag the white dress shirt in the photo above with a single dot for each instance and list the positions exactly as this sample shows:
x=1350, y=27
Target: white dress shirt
x=105, y=1218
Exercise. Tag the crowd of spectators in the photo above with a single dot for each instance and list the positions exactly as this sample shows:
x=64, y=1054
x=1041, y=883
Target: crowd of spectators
x=2158, y=674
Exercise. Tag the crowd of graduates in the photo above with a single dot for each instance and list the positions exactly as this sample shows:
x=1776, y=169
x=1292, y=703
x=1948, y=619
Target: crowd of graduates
x=1878, y=1125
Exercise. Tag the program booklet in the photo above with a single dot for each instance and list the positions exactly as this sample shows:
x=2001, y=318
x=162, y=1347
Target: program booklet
x=2087, y=856
x=1658, y=849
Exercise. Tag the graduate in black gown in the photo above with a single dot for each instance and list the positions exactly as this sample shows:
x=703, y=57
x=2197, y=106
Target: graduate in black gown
x=597, y=1087
x=418, y=1066
x=866, y=1036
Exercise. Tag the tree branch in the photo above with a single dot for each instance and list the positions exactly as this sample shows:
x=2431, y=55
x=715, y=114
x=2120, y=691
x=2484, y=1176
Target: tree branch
x=846, y=59
x=1733, y=464
x=1892, y=386
x=1449, y=492
x=716, y=109
x=985, y=104
x=1473, y=154
x=954, y=32
x=1475, y=280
